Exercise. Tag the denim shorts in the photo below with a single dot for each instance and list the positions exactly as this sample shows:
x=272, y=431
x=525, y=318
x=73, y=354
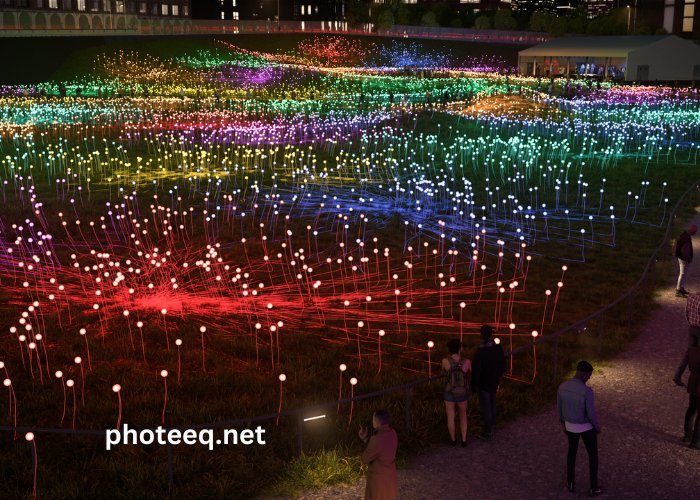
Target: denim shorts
x=452, y=399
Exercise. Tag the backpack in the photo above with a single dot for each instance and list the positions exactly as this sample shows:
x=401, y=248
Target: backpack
x=457, y=385
x=676, y=250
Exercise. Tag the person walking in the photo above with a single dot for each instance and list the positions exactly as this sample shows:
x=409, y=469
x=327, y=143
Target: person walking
x=692, y=316
x=683, y=251
x=692, y=430
x=487, y=368
x=380, y=455
x=456, y=390
x=577, y=416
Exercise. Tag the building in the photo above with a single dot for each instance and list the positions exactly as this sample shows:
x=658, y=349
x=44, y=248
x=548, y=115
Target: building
x=549, y=6
x=90, y=14
x=638, y=58
x=262, y=10
x=483, y=5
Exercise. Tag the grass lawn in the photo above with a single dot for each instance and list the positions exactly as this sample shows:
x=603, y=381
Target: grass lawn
x=232, y=371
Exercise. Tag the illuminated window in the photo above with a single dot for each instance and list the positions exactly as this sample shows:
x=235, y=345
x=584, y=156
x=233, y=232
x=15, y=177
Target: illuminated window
x=222, y=15
x=53, y=4
x=120, y=6
x=315, y=9
x=142, y=8
x=185, y=10
x=164, y=9
x=688, y=13
x=107, y=6
x=302, y=10
x=234, y=3
x=81, y=4
x=308, y=9
x=176, y=10
x=235, y=16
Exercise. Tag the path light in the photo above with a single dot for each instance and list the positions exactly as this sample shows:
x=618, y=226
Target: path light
x=202, y=329
x=431, y=344
x=342, y=369
x=29, y=436
x=534, y=354
x=379, y=349
x=360, y=324
x=164, y=374
x=165, y=327
x=178, y=343
x=83, y=332
x=353, y=383
x=59, y=375
x=78, y=360
x=117, y=388
x=282, y=378
x=8, y=383
x=70, y=383
x=143, y=347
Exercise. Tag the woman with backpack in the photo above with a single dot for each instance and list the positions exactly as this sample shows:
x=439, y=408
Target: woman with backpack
x=456, y=389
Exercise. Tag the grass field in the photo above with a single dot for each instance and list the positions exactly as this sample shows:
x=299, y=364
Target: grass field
x=232, y=372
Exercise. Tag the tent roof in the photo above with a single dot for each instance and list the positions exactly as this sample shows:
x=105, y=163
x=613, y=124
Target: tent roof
x=592, y=46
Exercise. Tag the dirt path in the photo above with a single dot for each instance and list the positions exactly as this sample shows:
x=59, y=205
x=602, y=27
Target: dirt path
x=640, y=410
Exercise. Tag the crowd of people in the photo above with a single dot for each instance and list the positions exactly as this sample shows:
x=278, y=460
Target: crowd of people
x=575, y=401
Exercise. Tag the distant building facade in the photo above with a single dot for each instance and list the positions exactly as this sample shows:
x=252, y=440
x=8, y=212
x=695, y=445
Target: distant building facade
x=90, y=14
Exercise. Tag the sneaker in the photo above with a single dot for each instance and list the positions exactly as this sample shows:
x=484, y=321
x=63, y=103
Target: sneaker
x=454, y=442
x=678, y=382
x=686, y=439
x=570, y=486
x=684, y=291
x=680, y=295
x=464, y=444
x=595, y=492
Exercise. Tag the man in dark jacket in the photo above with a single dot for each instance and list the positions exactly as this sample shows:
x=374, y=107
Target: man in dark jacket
x=692, y=430
x=684, y=253
x=487, y=368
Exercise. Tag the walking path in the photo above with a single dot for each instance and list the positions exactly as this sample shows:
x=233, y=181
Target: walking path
x=641, y=412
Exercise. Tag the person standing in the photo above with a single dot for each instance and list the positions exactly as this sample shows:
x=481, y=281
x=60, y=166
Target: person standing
x=692, y=316
x=577, y=416
x=380, y=455
x=487, y=368
x=456, y=390
x=683, y=251
x=692, y=430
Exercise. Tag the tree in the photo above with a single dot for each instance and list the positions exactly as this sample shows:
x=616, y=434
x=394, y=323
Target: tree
x=482, y=23
x=382, y=17
x=443, y=14
x=642, y=27
x=539, y=21
x=466, y=15
x=504, y=20
x=557, y=27
x=356, y=14
x=429, y=20
x=416, y=12
x=456, y=23
x=661, y=31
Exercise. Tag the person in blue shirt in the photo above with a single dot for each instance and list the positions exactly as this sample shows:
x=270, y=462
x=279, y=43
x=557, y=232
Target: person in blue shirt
x=577, y=416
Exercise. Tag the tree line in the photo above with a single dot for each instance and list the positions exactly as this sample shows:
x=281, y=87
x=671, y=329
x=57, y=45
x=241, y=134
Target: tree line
x=439, y=14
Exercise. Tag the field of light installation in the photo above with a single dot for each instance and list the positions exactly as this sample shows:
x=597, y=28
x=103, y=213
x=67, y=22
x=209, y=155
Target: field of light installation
x=165, y=260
